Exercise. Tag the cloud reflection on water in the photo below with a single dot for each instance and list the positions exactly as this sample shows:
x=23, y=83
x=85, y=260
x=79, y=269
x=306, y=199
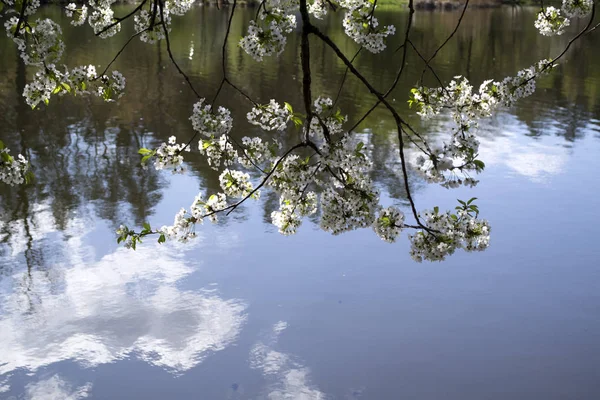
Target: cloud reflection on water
x=126, y=304
x=288, y=379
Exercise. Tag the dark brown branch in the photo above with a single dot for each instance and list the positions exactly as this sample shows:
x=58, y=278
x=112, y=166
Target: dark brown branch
x=21, y=18
x=305, y=59
x=265, y=179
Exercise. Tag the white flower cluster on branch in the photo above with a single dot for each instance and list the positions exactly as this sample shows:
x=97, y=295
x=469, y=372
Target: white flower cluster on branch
x=267, y=34
x=40, y=44
x=80, y=14
x=452, y=163
x=80, y=80
x=13, y=171
x=362, y=26
x=447, y=232
x=551, y=22
x=327, y=174
x=271, y=116
x=208, y=123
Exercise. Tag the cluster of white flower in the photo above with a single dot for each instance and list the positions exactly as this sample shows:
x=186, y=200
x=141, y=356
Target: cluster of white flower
x=81, y=13
x=270, y=116
x=256, y=151
x=40, y=42
x=349, y=199
x=111, y=86
x=218, y=151
x=168, y=156
x=266, y=36
x=152, y=22
x=291, y=176
x=127, y=236
x=150, y=25
x=179, y=7
x=451, y=163
x=32, y=6
x=318, y=8
x=42, y=86
x=550, y=23
x=361, y=25
x=209, y=124
x=448, y=233
x=12, y=170
x=184, y=222
x=577, y=8
x=324, y=123
x=291, y=210
x=236, y=184
x=80, y=80
x=215, y=203
x=102, y=17
x=389, y=224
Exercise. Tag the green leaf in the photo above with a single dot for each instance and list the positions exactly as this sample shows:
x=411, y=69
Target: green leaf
x=436, y=209
x=359, y=146
x=462, y=202
x=1, y=145
x=29, y=177
x=147, y=227
x=144, y=151
x=162, y=238
x=288, y=106
x=479, y=164
x=472, y=199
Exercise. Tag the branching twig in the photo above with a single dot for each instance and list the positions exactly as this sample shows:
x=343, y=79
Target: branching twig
x=160, y=6
x=119, y=20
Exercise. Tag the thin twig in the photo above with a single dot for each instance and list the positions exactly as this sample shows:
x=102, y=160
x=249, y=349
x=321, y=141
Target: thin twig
x=160, y=6
x=119, y=20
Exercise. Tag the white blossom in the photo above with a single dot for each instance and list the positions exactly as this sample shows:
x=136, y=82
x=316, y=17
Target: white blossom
x=168, y=156
x=577, y=8
x=236, y=184
x=218, y=151
x=266, y=35
x=210, y=124
x=12, y=170
x=389, y=223
x=448, y=232
x=362, y=26
x=80, y=13
x=550, y=23
x=270, y=117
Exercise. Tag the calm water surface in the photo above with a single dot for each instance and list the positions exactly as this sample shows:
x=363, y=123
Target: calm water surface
x=244, y=313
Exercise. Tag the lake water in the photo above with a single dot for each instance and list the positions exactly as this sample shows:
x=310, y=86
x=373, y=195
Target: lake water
x=244, y=313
